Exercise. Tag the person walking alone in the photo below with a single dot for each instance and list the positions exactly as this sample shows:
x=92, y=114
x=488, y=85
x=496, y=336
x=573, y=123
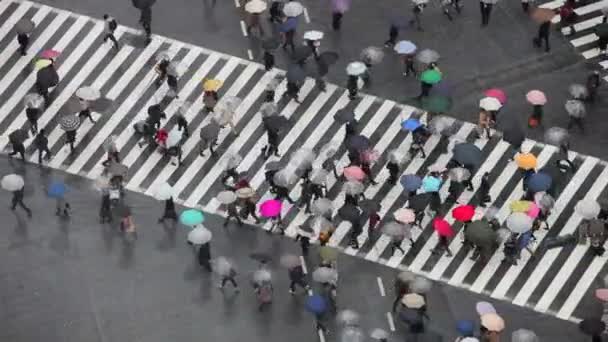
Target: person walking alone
x=297, y=277
x=169, y=212
x=543, y=35
x=146, y=22
x=18, y=200
x=111, y=26
x=18, y=147
x=24, y=41
x=32, y=115
x=485, y=8
x=42, y=145
x=85, y=110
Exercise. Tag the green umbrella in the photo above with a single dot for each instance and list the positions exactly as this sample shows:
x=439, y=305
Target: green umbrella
x=191, y=217
x=431, y=76
x=480, y=233
x=437, y=103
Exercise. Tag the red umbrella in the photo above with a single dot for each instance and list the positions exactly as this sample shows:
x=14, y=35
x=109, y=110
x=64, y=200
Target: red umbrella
x=354, y=173
x=463, y=213
x=442, y=227
x=497, y=94
x=49, y=54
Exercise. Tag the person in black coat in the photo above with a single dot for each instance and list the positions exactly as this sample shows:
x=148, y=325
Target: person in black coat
x=543, y=35
x=297, y=277
x=32, y=115
x=249, y=208
x=42, y=145
x=169, y=212
x=352, y=86
x=483, y=192
x=393, y=171
x=105, y=212
x=70, y=138
x=306, y=196
x=18, y=200
x=425, y=90
x=146, y=22
x=282, y=192
x=204, y=256
x=268, y=58
x=232, y=213
x=273, y=145
x=351, y=129
x=24, y=41
x=292, y=91
x=163, y=69
x=231, y=173
x=155, y=114
x=485, y=9
x=18, y=147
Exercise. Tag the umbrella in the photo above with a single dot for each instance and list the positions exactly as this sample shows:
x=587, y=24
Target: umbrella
x=484, y=308
x=354, y=173
x=293, y=9
x=355, y=68
x=575, y=108
x=379, y=334
x=118, y=169
x=405, y=47
x=285, y=178
x=271, y=208
x=404, y=215
x=596, y=227
x=273, y=166
x=233, y=161
x=490, y=104
x=353, y=188
x=210, y=131
x=406, y=277
x=12, y=182
x=321, y=224
x=349, y=212
x=467, y=154
x=316, y=304
x=524, y=335
x=588, y=209
x=420, y=201
x=313, y=35
x=430, y=76
x=431, y=184
x=592, y=326
x=49, y=54
x=328, y=57
x=420, y=285
x=270, y=44
x=222, y=266
x=398, y=157
x=542, y=15
x=164, y=192
x=601, y=30
x=427, y=56
x=57, y=190
x=519, y=223
x=226, y=197
x=261, y=257
x=325, y=275
x=544, y=201
x=269, y=109
x=143, y=4
x=358, y=143
x=540, y=181
x=275, y=123
x=413, y=301
x=352, y=334
x=536, y=97
x=290, y=261
x=24, y=25
x=410, y=124
x=480, y=233
x=322, y=206
x=47, y=77
x=514, y=135
x=212, y=84
x=318, y=176
x=534, y=210
x=344, y=115
x=465, y=327
x=436, y=168
x=463, y=213
x=33, y=100
x=437, y=104
x=492, y=322
x=231, y=103
x=370, y=205
x=255, y=6
x=295, y=73
x=302, y=158
x=191, y=217
x=578, y=91
x=123, y=210
x=372, y=55
x=520, y=206
x=101, y=183
x=439, y=123
x=262, y=276
x=396, y=230
x=602, y=294
x=526, y=161
x=42, y=63
x=174, y=137
x=556, y=136
x=18, y=136
x=301, y=53
x=497, y=94
x=162, y=56
x=69, y=122
x=442, y=227
x=459, y=174
x=110, y=143
x=246, y=192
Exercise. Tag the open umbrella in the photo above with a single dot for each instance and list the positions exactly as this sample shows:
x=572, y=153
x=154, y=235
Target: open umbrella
x=536, y=97
x=143, y=4
x=174, y=137
x=246, y=192
x=285, y=178
x=526, y=161
x=271, y=208
x=49, y=54
x=164, y=191
x=270, y=44
x=556, y=136
x=437, y=104
x=578, y=91
x=410, y=124
x=69, y=122
x=344, y=115
x=42, y=63
x=325, y=275
x=405, y=47
x=321, y=224
x=269, y=109
x=117, y=169
x=322, y=206
x=484, y=308
x=540, y=181
x=404, y=215
x=431, y=184
x=293, y=9
x=101, y=183
x=12, y=182
x=47, y=77
x=427, y=56
x=406, y=277
x=419, y=202
x=575, y=108
x=413, y=301
x=524, y=335
x=355, y=68
x=33, y=100
x=353, y=188
x=398, y=157
x=191, y=217
x=519, y=223
x=480, y=233
x=602, y=294
x=328, y=57
x=255, y=6
x=379, y=334
x=490, y=104
x=358, y=143
x=262, y=276
x=290, y=261
x=430, y=76
x=313, y=35
x=372, y=55
x=301, y=53
x=349, y=212
x=592, y=326
x=222, y=266
x=544, y=201
x=463, y=213
x=467, y=154
x=295, y=73
x=514, y=135
x=226, y=197
x=442, y=227
x=233, y=160
x=440, y=124
x=492, y=322
x=497, y=94
x=396, y=230
x=18, y=136
x=459, y=174
x=210, y=131
x=370, y=205
x=420, y=285
x=57, y=190
x=24, y=26
x=348, y=317
x=542, y=15
x=520, y=206
x=302, y=158
x=588, y=209
x=316, y=304
x=212, y=84
x=354, y=173
x=273, y=166
x=465, y=328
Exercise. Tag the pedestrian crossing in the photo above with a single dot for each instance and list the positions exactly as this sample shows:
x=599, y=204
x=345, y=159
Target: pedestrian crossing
x=554, y=281
x=583, y=38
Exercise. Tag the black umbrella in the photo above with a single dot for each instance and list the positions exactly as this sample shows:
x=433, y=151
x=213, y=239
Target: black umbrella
x=122, y=210
x=270, y=44
x=480, y=233
x=47, y=77
x=301, y=53
x=273, y=166
x=210, y=131
x=358, y=142
x=344, y=115
x=24, y=26
x=276, y=123
x=295, y=74
x=514, y=135
x=141, y=4
x=370, y=205
x=419, y=202
x=18, y=136
x=467, y=154
x=155, y=113
x=592, y=326
x=328, y=57
x=349, y=212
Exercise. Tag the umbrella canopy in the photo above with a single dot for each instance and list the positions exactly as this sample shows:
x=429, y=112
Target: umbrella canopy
x=117, y=169
x=290, y=261
x=33, y=100
x=162, y=56
x=459, y=174
x=358, y=143
x=164, y=191
x=12, y=182
x=212, y=84
x=465, y=327
x=222, y=266
x=319, y=176
x=405, y=47
x=370, y=205
x=410, y=124
x=398, y=157
x=18, y=136
x=588, y=209
x=520, y=206
x=210, y=131
x=497, y=94
x=101, y=183
x=301, y=53
x=191, y=217
x=430, y=76
x=372, y=55
x=442, y=227
x=556, y=136
x=526, y=161
x=480, y=233
x=328, y=57
x=328, y=254
x=352, y=334
x=602, y=294
x=413, y=301
x=226, y=197
x=349, y=212
x=271, y=208
x=542, y=15
x=322, y=206
x=578, y=91
x=544, y=201
x=354, y=173
x=24, y=25
x=463, y=213
x=295, y=73
x=540, y=181
x=316, y=304
x=110, y=143
x=514, y=135
x=285, y=178
x=262, y=276
x=353, y=188
x=467, y=154
x=47, y=77
x=344, y=115
x=293, y=9
x=57, y=190
x=601, y=30
x=484, y=308
x=302, y=157
x=325, y=275
x=519, y=223
x=174, y=137
x=49, y=54
x=69, y=122
x=246, y=192
x=273, y=166
x=355, y=68
x=420, y=285
x=404, y=215
x=431, y=184
x=269, y=109
x=122, y=210
x=524, y=335
x=439, y=124
x=592, y=326
x=596, y=227
x=437, y=104
x=396, y=230
x=536, y=97
x=427, y=56
x=419, y=202
x=42, y=63
x=233, y=160
x=406, y=277
x=199, y=235
x=143, y=4
x=313, y=35
x=379, y=334
x=492, y=322
x=255, y=6
x=490, y=104
x=575, y=108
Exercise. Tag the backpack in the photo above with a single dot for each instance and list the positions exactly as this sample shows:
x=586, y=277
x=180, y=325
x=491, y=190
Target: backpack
x=112, y=24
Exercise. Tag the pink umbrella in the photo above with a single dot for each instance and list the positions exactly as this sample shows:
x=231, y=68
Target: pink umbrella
x=405, y=215
x=497, y=94
x=370, y=156
x=340, y=6
x=442, y=227
x=533, y=211
x=49, y=54
x=354, y=173
x=271, y=208
x=602, y=294
x=536, y=97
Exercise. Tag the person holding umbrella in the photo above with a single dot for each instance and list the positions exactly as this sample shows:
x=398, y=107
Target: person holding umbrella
x=323, y=62
x=69, y=124
x=227, y=272
x=406, y=51
x=162, y=67
x=228, y=198
x=338, y=8
x=269, y=46
x=419, y=6
x=85, y=110
x=287, y=30
x=485, y=6
x=165, y=193
x=41, y=142
x=537, y=99
x=210, y=95
x=24, y=27
x=15, y=184
x=254, y=9
x=576, y=112
x=543, y=35
x=303, y=236
x=592, y=84
x=246, y=196
x=354, y=70
x=16, y=139
x=262, y=284
x=46, y=77
x=33, y=105
x=105, y=211
x=272, y=147
x=110, y=28
x=445, y=231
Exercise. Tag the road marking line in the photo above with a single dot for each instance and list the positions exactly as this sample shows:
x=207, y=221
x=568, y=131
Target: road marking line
x=381, y=287
x=391, y=322
x=250, y=54
x=321, y=335
x=244, y=28
x=237, y=4
x=306, y=16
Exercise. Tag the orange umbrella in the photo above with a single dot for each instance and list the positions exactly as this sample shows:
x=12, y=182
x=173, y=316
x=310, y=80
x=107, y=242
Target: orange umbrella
x=542, y=15
x=526, y=161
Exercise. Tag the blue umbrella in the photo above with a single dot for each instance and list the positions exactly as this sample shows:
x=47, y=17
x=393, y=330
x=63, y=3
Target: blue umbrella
x=411, y=182
x=539, y=181
x=431, y=184
x=411, y=124
x=57, y=190
x=316, y=304
x=465, y=327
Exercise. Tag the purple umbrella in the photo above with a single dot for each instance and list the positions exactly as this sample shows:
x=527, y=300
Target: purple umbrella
x=340, y=6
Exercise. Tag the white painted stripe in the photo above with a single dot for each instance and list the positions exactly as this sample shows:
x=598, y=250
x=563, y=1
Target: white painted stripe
x=237, y=4
x=391, y=322
x=381, y=287
x=117, y=116
x=539, y=272
x=584, y=40
x=306, y=16
x=583, y=25
x=249, y=54
x=552, y=4
x=321, y=335
x=10, y=22
x=243, y=28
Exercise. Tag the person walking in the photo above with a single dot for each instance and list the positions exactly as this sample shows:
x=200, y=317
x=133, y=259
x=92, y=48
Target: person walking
x=417, y=11
x=210, y=98
x=543, y=35
x=275, y=12
x=18, y=200
x=249, y=208
x=485, y=9
x=393, y=33
x=85, y=110
x=352, y=86
x=408, y=62
x=155, y=115
x=62, y=207
x=70, y=139
x=483, y=193
x=18, y=147
x=338, y=8
x=229, y=276
x=303, y=236
x=272, y=148
x=41, y=142
x=253, y=22
x=232, y=213
x=24, y=41
x=32, y=115
x=297, y=277
x=105, y=211
x=169, y=212
x=536, y=117
x=162, y=69
x=287, y=31
x=204, y=256
x=268, y=59
x=182, y=124
x=110, y=27
x=592, y=84
x=568, y=16
x=146, y=22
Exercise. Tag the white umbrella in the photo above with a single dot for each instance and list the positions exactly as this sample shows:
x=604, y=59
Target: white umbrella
x=164, y=192
x=379, y=334
x=459, y=174
x=318, y=176
x=440, y=124
x=406, y=276
x=231, y=103
x=101, y=183
x=313, y=35
x=427, y=56
x=398, y=157
x=396, y=230
x=519, y=222
x=255, y=6
x=578, y=91
x=405, y=47
x=199, y=235
x=420, y=2
x=290, y=261
x=285, y=178
x=226, y=197
x=184, y=107
x=262, y=276
x=162, y=56
x=556, y=136
x=233, y=161
x=88, y=93
x=293, y=9
x=575, y=108
x=491, y=2
x=302, y=157
x=110, y=143
x=544, y=201
x=421, y=285
x=524, y=335
x=588, y=209
x=222, y=266
x=322, y=206
x=352, y=334
x=372, y=55
x=174, y=137
x=353, y=188
x=355, y=68
x=33, y=100
x=325, y=275
x=12, y=182
x=348, y=317
x=321, y=224
x=490, y=103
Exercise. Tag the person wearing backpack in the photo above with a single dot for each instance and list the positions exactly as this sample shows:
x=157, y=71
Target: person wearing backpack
x=111, y=26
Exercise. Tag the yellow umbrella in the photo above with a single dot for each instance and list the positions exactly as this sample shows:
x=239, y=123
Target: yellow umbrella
x=211, y=84
x=520, y=206
x=42, y=63
x=526, y=161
